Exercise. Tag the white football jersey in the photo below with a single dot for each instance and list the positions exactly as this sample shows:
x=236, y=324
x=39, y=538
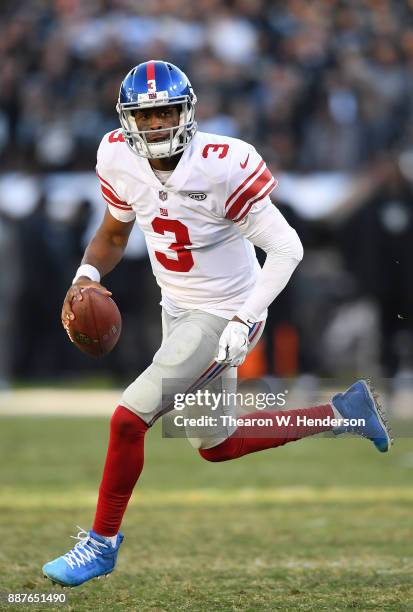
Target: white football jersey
x=199, y=257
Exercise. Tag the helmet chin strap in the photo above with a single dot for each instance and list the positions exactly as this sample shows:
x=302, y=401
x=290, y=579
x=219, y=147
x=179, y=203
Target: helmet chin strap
x=165, y=148
x=156, y=148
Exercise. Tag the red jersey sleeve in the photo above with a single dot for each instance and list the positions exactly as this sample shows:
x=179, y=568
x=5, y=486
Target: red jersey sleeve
x=110, y=185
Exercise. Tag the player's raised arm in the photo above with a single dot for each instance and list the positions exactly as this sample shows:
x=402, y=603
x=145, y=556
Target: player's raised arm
x=102, y=254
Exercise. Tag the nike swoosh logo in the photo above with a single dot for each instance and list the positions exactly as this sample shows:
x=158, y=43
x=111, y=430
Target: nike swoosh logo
x=244, y=165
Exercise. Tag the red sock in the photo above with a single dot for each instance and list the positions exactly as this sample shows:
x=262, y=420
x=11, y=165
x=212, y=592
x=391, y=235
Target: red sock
x=124, y=463
x=252, y=438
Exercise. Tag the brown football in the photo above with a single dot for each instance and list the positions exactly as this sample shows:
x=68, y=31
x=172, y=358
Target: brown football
x=97, y=324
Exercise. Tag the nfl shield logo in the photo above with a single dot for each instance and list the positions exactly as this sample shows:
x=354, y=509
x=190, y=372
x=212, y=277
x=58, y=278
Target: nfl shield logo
x=163, y=196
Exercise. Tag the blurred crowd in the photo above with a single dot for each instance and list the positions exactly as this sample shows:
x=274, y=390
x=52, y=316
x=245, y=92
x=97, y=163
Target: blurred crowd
x=318, y=87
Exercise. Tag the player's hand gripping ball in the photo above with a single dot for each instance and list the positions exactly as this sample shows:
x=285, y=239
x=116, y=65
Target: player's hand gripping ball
x=97, y=324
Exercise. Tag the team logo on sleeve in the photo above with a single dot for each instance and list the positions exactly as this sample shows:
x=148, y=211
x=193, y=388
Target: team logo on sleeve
x=197, y=195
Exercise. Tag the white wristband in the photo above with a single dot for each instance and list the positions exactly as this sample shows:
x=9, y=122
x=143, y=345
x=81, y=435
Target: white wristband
x=89, y=271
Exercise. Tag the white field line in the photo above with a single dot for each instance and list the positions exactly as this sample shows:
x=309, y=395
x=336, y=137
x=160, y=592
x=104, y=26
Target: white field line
x=382, y=565
x=78, y=402
x=89, y=402
x=11, y=499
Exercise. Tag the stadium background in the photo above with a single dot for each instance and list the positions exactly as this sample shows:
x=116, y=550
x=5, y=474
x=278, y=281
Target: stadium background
x=323, y=89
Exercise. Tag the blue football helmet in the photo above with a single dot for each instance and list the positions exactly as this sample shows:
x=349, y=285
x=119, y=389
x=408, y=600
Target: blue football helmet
x=151, y=84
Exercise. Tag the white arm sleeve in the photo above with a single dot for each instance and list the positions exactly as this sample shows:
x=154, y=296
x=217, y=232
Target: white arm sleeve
x=266, y=228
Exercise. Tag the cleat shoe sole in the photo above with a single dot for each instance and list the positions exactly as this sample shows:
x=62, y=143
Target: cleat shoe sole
x=54, y=582
x=380, y=412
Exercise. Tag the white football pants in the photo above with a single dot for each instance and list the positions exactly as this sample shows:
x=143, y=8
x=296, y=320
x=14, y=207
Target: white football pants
x=185, y=363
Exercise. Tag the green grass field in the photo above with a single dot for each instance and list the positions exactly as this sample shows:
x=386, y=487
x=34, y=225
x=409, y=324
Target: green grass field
x=316, y=525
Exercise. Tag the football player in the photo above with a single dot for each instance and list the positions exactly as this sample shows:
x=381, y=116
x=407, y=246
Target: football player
x=202, y=202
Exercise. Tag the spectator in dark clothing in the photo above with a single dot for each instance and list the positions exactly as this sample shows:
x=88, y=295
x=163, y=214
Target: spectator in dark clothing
x=39, y=299
x=377, y=241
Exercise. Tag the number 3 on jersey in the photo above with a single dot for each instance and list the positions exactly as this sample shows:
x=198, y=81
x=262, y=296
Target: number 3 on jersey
x=185, y=260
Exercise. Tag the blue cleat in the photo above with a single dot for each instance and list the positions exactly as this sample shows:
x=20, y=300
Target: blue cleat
x=361, y=402
x=93, y=556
